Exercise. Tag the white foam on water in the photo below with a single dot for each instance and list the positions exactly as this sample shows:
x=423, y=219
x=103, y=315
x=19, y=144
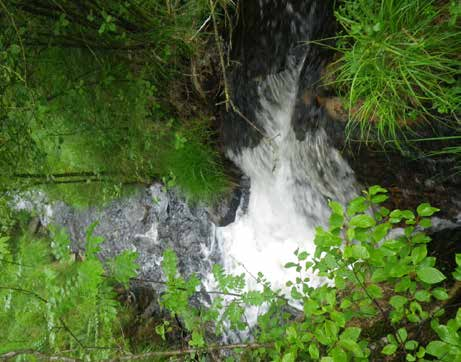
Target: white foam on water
x=291, y=181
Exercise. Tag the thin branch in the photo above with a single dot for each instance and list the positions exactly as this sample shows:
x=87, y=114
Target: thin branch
x=182, y=352
x=24, y=291
x=39, y=355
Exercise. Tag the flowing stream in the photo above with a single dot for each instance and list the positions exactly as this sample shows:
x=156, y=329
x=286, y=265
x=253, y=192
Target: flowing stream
x=291, y=178
x=291, y=182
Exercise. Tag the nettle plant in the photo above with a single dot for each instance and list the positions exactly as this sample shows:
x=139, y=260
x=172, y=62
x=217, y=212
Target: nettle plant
x=383, y=297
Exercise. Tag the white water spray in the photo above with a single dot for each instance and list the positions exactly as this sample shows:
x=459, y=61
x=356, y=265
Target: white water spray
x=291, y=181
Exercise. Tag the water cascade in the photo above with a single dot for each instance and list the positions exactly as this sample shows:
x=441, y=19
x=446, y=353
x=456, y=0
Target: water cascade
x=292, y=176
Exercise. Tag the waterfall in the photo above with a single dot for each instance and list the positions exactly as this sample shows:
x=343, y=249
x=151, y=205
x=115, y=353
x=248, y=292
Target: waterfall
x=292, y=177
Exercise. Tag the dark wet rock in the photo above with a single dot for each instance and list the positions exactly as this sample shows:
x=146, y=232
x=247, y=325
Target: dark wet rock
x=223, y=212
x=269, y=35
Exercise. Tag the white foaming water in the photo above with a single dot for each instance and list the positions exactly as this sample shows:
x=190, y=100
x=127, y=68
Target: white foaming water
x=291, y=181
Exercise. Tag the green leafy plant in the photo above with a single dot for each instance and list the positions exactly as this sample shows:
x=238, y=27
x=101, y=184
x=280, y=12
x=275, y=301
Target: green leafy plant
x=381, y=288
x=54, y=304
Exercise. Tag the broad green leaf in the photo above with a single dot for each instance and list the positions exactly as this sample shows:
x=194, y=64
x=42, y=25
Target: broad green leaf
x=357, y=205
x=336, y=207
x=379, y=275
x=289, y=357
x=352, y=346
x=436, y=348
x=326, y=239
x=418, y=254
x=362, y=221
x=351, y=333
x=430, y=275
x=378, y=199
x=423, y=296
x=336, y=221
x=376, y=189
x=440, y=294
x=397, y=301
x=403, y=334
x=338, y=354
x=458, y=259
x=360, y=252
x=389, y=349
x=420, y=238
x=375, y=291
x=314, y=351
x=426, y=209
x=381, y=231
x=411, y=345
x=425, y=223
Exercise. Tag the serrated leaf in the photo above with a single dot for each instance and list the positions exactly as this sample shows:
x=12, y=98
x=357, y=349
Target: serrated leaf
x=124, y=267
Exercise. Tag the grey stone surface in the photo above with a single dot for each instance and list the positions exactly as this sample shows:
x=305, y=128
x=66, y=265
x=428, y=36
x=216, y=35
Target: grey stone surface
x=148, y=222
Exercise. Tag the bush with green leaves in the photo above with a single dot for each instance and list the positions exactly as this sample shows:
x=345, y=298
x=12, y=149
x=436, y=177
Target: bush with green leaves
x=399, y=66
x=54, y=304
x=382, y=297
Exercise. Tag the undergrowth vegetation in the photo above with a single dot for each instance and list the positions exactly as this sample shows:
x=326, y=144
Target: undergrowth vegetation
x=399, y=69
x=87, y=98
x=382, y=297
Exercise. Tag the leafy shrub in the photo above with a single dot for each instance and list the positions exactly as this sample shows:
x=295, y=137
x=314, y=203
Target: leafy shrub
x=399, y=65
x=53, y=303
x=383, y=290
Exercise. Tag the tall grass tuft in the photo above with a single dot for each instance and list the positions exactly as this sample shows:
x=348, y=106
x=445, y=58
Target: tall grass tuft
x=193, y=163
x=400, y=66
